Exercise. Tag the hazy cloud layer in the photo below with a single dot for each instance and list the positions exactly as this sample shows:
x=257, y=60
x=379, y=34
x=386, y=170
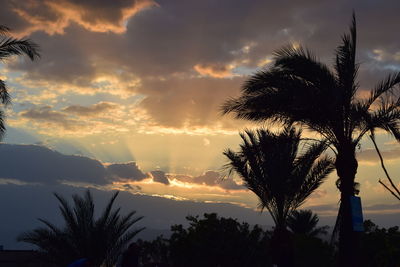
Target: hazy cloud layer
x=39, y=164
x=370, y=155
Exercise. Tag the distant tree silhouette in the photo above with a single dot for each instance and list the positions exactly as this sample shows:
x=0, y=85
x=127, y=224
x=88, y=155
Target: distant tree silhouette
x=217, y=242
x=10, y=46
x=300, y=89
x=380, y=246
x=273, y=167
x=100, y=240
x=304, y=222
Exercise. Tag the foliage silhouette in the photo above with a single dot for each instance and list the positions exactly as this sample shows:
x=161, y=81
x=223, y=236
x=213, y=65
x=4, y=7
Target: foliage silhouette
x=10, y=46
x=213, y=241
x=380, y=246
x=273, y=167
x=101, y=240
x=304, y=222
x=216, y=241
x=300, y=89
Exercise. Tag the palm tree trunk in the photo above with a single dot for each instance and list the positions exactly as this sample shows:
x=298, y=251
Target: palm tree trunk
x=282, y=247
x=349, y=240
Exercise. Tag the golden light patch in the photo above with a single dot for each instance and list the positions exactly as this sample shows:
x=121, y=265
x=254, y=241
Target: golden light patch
x=296, y=44
x=215, y=70
x=265, y=61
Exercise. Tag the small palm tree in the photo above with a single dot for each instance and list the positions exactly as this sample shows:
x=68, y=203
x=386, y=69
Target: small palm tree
x=300, y=89
x=304, y=222
x=272, y=166
x=10, y=46
x=100, y=240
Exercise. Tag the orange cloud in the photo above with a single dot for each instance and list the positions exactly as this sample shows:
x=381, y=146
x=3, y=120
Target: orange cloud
x=214, y=70
x=60, y=15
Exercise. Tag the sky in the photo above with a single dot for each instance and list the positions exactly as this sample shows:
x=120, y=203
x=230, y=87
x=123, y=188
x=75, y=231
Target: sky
x=127, y=95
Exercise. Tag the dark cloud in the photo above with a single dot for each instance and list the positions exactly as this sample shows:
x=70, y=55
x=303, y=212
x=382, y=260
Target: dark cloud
x=92, y=110
x=31, y=163
x=48, y=115
x=39, y=164
x=159, y=177
x=43, y=113
x=126, y=171
x=73, y=119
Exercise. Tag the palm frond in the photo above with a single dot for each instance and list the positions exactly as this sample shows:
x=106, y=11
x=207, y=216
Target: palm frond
x=345, y=66
x=4, y=30
x=10, y=46
x=4, y=95
x=101, y=240
x=383, y=87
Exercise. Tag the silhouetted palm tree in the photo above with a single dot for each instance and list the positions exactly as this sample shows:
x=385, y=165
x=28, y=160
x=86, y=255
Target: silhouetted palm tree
x=300, y=89
x=272, y=166
x=10, y=46
x=304, y=222
x=100, y=240
x=282, y=177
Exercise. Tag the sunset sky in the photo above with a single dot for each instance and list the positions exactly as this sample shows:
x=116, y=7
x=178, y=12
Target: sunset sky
x=134, y=88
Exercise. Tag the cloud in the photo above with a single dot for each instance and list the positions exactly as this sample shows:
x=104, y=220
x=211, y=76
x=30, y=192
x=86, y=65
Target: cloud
x=92, y=110
x=159, y=177
x=126, y=171
x=318, y=194
x=370, y=155
x=214, y=70
x=73, y=120
x=39, y=164
x=53, y=17
x=47, y=115
x=209, y=178
x=152, y=57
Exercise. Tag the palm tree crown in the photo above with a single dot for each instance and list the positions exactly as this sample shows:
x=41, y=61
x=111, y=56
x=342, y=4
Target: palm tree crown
x=100, y=240
x=298, y=88
x=10, y=46
x=272, y=166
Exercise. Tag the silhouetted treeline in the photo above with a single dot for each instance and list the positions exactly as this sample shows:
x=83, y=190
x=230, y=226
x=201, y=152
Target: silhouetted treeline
x=214, y=241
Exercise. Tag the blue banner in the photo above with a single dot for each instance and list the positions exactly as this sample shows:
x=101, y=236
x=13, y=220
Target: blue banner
x=356, y=214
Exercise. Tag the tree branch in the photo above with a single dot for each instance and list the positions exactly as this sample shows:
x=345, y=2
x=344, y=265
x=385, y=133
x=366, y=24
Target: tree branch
x=386, y=172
